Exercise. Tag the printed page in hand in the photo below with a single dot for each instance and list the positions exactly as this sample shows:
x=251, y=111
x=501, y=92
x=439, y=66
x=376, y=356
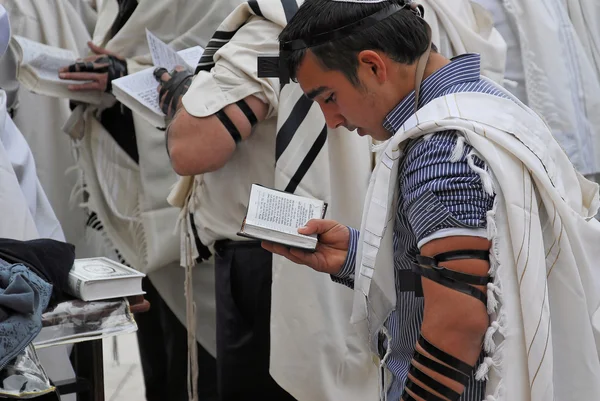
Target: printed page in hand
x=163, y=55
x=138, y=91
x=276, y=216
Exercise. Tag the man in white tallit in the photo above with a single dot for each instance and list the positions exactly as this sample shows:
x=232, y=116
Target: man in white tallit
x=475, y=274
x=56, y=24
x=127, y=179
x=300, y=352
x=564, y=90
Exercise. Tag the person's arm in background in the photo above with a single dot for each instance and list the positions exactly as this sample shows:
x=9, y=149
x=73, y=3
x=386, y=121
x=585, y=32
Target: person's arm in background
x=221, y=106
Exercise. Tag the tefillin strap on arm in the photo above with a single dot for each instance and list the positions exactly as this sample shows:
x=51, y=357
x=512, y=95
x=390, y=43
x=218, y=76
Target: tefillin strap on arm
x=230, y=126
x=429, y=268
x=273, y=66
x=441, y=363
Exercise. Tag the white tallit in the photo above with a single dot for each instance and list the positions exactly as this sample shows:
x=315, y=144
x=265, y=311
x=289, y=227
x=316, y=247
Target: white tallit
x=559, y=47
x=459, y=26
x=543, y=338
x=585, y=17
x=130, y=199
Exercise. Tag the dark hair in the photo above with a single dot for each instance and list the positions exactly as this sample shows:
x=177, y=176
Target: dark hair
x=402, y=36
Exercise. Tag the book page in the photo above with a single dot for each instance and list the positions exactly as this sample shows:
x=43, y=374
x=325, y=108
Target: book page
x=162, y=54
x=281, y=211
x=46, y=60
x=141, y=86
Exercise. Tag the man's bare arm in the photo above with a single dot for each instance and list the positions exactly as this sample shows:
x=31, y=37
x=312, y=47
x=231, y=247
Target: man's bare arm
x=454, y=322
x=202, y=144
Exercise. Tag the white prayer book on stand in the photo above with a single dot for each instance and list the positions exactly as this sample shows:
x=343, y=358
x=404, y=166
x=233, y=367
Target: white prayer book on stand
x=276, y=216
x=38, y=66
x=94, y=279
x=138, y=91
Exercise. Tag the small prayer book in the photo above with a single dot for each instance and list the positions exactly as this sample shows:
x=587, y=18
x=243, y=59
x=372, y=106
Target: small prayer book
x=275, y=216
x=93, y=279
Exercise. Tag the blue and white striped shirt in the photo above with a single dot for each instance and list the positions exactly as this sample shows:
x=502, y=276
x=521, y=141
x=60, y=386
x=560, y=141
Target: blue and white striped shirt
x=435, y=194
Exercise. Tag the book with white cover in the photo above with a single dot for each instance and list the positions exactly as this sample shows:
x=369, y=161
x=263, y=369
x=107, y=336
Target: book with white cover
x=275, y=216
x=93, y=279
x=37, y=70
x=138, y=91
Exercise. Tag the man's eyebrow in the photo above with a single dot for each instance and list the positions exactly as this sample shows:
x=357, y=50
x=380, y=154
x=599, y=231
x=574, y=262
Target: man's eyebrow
x=316, y=92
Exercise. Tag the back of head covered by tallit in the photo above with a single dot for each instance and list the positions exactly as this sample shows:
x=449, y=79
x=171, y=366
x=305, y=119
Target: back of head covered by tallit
x=128, y=198
x=331, y=165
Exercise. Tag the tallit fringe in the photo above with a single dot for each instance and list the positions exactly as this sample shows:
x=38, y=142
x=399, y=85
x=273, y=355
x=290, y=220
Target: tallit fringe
x=494, y=337
x=459, y=149
x=188, y=256
x=486, y=178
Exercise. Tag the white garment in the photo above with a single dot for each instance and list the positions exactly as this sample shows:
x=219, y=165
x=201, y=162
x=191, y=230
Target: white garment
x=560, y=71
x=460, y=26
x=39, y=118
x=585, y=17
x=543, y=338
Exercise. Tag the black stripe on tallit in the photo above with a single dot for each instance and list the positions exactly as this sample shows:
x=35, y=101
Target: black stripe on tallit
x=289, y=8
x=311, y=156
x=218, y=40
x=216, y=44
x=289, y=128
x=224, y=35
x=255, y=8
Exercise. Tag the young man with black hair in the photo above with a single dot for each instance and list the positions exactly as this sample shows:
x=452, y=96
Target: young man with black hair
x=480, y=195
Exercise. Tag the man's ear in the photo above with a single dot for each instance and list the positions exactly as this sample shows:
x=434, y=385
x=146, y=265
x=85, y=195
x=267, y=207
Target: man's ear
x=372, y=64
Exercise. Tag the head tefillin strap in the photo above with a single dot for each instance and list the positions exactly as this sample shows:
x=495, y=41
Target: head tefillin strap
x=285, y=48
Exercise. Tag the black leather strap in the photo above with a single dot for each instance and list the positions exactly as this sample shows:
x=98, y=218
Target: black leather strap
x=439, y=277
x=172, y=90
x=229, y=125
x=428, y=262
x=434, y=384
x=461, y=254
x=445, y=357
x=407, y=397
x=420, y=391
x=247, y=112
x=444, y=370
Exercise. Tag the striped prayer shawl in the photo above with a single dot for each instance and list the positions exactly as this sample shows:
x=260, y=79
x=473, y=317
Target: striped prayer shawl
x=296, y=155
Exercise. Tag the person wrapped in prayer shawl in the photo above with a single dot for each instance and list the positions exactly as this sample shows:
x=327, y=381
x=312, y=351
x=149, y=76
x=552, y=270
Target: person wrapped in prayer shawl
x=323, y=163
x=126, y=180
x=474, y=270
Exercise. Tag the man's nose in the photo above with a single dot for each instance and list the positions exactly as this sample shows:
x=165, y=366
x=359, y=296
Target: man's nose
x=332, y=117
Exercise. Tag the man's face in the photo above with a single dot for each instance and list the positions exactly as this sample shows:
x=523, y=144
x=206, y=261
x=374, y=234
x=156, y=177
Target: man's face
x=342, y=103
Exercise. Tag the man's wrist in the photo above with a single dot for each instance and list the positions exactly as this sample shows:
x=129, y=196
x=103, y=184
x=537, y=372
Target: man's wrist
x=347, y=269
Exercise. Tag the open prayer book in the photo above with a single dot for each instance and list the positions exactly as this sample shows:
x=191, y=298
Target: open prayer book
x=138, y=91
x=37, y=70
x=275, y=216
x=93, y=279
